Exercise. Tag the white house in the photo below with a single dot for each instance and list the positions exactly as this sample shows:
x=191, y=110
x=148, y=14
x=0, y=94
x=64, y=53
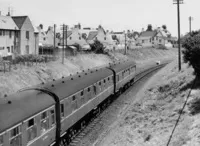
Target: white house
x=8, y=40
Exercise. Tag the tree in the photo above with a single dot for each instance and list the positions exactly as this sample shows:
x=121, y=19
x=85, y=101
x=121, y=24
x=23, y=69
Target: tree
x=97, y=47
x=164, y=27
x=149, y=27
x=191, y=51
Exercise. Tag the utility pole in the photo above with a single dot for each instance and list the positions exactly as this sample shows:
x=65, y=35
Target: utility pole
x=125, y=43
x=66, y=27
x=54, y=40
x=63, y=55
x=178, y=2
x=190, y=24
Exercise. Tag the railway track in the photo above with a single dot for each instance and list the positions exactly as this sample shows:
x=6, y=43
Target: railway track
x=79, y=134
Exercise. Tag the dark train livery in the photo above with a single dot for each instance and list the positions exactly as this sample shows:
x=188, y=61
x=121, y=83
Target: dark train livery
x=40, y=115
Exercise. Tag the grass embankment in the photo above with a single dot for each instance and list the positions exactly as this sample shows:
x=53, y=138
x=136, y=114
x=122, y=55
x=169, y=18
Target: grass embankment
x=23, y=76
x=150, y=120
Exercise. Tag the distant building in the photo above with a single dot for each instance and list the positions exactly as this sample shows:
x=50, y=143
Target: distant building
x=26, y=35
x=76, y=38
x=147, y=38
x=8, y=36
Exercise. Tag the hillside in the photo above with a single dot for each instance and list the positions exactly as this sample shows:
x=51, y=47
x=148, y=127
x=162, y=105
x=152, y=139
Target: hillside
x=150, y=119
x=23, y=76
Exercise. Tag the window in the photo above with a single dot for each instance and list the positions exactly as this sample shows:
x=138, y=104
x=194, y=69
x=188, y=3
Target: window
x=8, y=49
x=12, y=49
x=79, y=38
x=10, y=34
x=81, y=93
x=44, y=122
x=52, y=114
x=99, y=83
x=150, y=40
x=89, y=89
x=160, y=40
x=44, y=39
x=70, y=38
x=95, y=90
x=27, y=34
x=108, y=79
x=4, y=33
x=1, y=140
x=117, y=77
x=31, y=130
x=74, y=98
x=104, y=81
x=27, y=49
x=62, y=110
x=15, y=136
x=1, y=32
x=104, y=38
x=142, y=41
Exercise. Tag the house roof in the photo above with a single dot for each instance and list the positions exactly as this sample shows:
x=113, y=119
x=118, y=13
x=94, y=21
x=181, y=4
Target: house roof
x=19, y=20
x=69, y=33
x=92, y=35
x=135, y=33
x=7, y=23
x=148, y=34
x=118, y=32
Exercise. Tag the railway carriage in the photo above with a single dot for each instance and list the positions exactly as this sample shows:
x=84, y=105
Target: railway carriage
x=41, y=114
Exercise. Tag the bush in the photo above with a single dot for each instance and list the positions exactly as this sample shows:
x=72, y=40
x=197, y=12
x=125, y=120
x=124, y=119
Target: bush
x=191, y=51
x=28, y=58
x=97, y=47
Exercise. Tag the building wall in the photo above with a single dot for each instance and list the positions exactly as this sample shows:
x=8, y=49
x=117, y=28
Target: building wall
x=24, y=42
x=7, y=42
x=36, y=43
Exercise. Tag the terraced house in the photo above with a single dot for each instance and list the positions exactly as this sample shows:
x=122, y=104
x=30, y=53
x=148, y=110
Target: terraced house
x=27, y=37
x=8, y=39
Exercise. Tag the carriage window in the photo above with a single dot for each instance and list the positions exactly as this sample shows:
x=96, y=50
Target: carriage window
x=117, y=77
x=15, y=136
x=1, y=140
x=89, y=89
x=73, y=98
x=95, y=90
x=44, y=122
x=62, y=110
x=31, y=130
x=108, y=79
x=52, y=112
x=99, y=83
x=104, y=81
x=81, y=93
x=30, y=123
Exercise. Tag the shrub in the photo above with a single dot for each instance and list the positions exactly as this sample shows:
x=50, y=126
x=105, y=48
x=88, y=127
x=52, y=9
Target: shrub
x=97, y=47
x=191, y=51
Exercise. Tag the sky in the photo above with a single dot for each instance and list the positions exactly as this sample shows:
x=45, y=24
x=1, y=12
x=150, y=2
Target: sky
x=116, y=15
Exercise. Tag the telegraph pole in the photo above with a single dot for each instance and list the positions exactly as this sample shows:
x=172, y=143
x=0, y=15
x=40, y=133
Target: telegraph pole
x=178, y=2
x=190, y=24
x=125, y=43
x=54, y=40
x=66, y=27
x=63, y=49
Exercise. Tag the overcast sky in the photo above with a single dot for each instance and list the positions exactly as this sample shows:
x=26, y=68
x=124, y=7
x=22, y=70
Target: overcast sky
x=116, y=15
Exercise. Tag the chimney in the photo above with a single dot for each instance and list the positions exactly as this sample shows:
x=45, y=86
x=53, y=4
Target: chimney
x=8, y=14
x=41, y=26
x=79, y=25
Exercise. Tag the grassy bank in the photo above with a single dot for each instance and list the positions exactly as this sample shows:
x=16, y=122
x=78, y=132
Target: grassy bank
x=22, y=76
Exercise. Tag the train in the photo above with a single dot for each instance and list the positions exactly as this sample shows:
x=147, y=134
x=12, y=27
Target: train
x=41, y=115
